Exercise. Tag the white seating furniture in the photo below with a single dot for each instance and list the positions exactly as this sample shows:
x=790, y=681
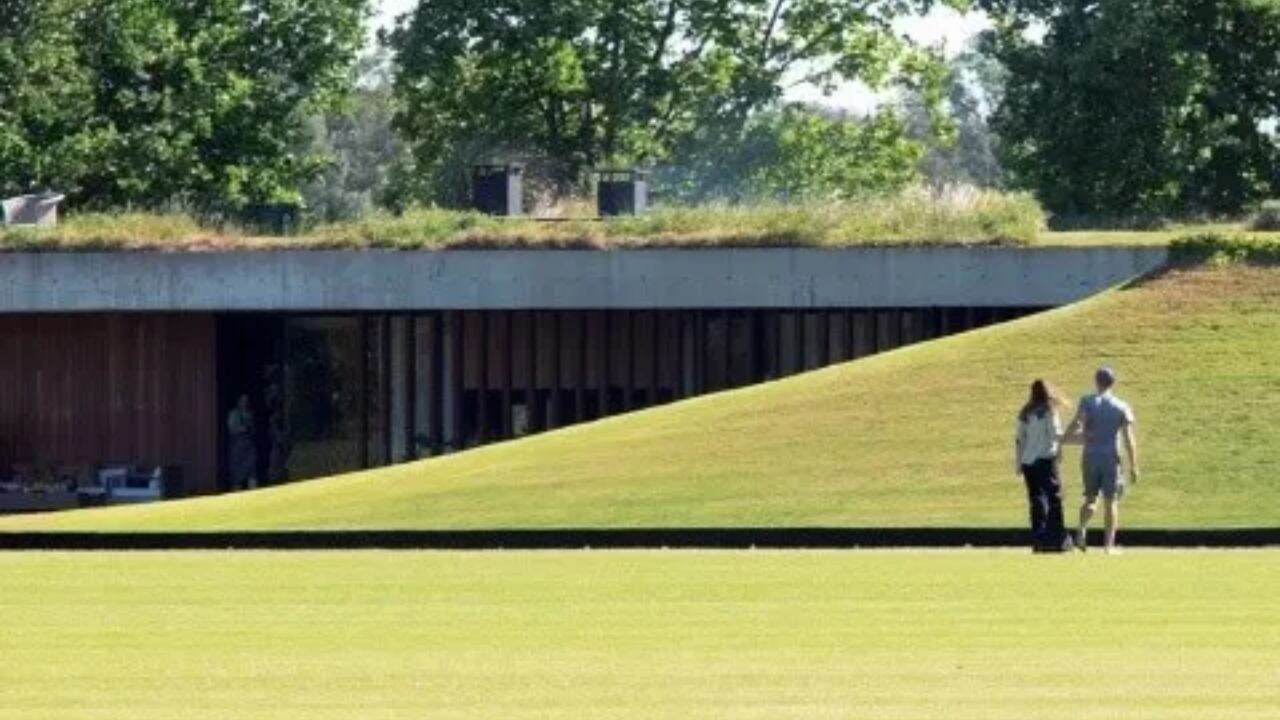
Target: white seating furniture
x=132, y=485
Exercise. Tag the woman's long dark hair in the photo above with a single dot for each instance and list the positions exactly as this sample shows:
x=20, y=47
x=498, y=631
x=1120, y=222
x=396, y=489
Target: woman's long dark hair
x=1042, y=399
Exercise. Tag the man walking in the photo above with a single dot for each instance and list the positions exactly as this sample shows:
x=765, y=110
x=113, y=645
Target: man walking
x=1105, y=419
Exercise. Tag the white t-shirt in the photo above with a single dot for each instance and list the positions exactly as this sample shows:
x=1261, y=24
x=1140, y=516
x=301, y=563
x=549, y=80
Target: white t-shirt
x=1038, y=437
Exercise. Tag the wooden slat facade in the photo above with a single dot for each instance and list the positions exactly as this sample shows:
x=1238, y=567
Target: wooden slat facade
x=92, y=390
x=145, y=389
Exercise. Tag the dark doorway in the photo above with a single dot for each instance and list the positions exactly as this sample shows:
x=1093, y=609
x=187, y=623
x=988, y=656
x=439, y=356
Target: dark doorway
x=251, y=352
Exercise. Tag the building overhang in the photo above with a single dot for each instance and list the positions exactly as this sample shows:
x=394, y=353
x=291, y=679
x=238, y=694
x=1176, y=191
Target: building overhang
x=394, y=281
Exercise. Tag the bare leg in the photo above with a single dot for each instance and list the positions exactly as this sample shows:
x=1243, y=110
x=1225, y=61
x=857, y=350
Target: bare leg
x=1086, y=514
x=1112, y=521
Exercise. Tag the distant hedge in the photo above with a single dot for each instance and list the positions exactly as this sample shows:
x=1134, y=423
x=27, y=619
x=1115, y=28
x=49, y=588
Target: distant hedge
x=1224, y=248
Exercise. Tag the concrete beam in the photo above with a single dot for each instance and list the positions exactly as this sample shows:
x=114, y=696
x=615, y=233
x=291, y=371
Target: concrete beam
x=328, y=281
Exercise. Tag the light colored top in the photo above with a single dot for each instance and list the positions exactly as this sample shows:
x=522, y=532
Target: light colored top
x=1037, y=437
x=239, y=422
x=1105, y=415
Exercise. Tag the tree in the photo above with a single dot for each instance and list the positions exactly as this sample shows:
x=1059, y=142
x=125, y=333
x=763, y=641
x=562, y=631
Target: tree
x=798, y=153
x=143, y=102
x=587, y=83
x=1131, y=107
x=360, y=145
x=967, y=156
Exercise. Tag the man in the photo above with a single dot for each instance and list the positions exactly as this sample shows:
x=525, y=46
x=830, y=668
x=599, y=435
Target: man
x=1104, y=419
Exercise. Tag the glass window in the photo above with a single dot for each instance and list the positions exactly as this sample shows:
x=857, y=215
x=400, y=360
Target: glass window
x=324, y=376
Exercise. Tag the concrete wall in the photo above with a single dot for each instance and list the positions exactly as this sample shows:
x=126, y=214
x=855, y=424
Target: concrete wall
x=567, y=279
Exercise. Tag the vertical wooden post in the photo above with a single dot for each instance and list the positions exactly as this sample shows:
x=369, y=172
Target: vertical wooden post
x=824, y=335
x=385, y=387
x=758, y=347
x=557, y=371
x=458, y=381
x=850, y=339
x=655, y=335
x=411, y=387
x=435, y=387
x=802, y=352
x=629, y=386
x=779, y=346
x=606, y=354
x=364, y=391
x=726, y=354
x=700, y=352
x=482, y=385
x=532, y=411
x=580, y=395
x=682, y=350
x=508, y=369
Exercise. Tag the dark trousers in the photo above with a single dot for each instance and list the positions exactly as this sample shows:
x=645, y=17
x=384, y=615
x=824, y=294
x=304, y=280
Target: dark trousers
x=1044, y=493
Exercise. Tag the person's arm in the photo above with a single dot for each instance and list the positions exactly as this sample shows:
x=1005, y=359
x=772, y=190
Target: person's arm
x=1019, y=440
x=1072, y=436
x=1131, y=448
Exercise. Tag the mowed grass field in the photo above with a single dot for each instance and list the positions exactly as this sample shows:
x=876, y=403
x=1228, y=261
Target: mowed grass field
x=949, y=635
x=917, y=437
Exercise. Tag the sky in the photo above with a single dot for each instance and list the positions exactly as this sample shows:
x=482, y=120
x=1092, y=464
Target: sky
x=944, y=27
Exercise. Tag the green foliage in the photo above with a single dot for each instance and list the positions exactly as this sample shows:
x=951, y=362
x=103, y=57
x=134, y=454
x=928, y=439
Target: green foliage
x=797, y=154
x=1267, y=217
x=1139, y=108
x=972, y=86
x=587, y=83
x=149, y=103
x=1220, y=249
x=360, y=145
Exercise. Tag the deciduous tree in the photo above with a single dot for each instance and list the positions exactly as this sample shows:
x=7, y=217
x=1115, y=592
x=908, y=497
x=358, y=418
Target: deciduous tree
x=588, y=83
x=144, y=102
x=1132, y=107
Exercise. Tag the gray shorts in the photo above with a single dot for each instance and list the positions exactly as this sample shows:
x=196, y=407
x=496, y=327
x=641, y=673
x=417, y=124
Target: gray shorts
x=1102, y=475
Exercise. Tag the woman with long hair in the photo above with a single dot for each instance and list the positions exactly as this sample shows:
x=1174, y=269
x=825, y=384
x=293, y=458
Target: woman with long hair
x=1036, y=454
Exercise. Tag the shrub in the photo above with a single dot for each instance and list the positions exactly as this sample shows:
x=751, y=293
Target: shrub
x=1268, y=217
x=1218, y=248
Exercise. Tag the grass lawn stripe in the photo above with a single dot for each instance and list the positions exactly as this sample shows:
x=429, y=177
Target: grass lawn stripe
x=953, y=635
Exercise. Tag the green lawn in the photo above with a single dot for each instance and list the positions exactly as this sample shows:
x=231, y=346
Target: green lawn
x=951, y=635
x=917, y=437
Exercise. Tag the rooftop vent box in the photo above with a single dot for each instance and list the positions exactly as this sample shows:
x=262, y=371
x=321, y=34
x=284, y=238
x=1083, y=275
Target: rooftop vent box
x=32, y=210
x=273, y=218
x=498, y=189
x=622, y=192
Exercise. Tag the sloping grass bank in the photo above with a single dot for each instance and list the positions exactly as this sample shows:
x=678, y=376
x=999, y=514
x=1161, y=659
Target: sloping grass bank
x=912, y=218
x=916, y=437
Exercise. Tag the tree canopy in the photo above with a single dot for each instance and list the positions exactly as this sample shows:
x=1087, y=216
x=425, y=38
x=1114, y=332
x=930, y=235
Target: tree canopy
x=590, y=83
x=150, y=102
x=1140, y=108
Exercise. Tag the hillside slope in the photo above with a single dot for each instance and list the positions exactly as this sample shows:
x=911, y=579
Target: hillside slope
x=917, y=437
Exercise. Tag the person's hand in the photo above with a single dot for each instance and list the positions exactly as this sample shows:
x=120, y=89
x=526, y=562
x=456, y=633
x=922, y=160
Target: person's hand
x=1133, y=475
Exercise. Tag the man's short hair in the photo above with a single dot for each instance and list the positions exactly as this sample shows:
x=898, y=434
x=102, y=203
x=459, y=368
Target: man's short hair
x=1106, y=377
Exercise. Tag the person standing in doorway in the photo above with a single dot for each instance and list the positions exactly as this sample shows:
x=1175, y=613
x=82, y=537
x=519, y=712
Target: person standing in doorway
x=1036, y=456
x=242, y=447
x=1102, y=420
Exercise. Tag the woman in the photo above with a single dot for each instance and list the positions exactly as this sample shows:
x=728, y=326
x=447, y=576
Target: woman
x=242, y=449
x=1036, y=459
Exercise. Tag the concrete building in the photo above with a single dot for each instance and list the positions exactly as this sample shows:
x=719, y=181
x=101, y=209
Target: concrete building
x=359, y=359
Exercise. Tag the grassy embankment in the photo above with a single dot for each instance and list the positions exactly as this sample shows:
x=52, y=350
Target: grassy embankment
x=915, y=437
x=954, y=635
